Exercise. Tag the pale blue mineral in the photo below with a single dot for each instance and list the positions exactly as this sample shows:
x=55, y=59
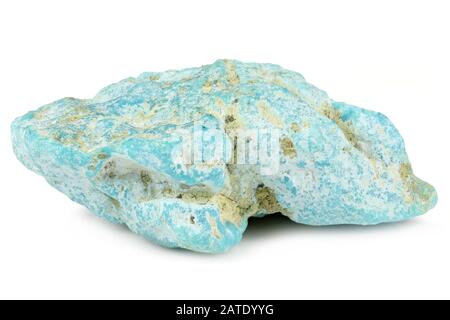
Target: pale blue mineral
x=160, y=153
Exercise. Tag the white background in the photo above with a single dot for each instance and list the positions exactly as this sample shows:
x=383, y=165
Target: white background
x=389, y=56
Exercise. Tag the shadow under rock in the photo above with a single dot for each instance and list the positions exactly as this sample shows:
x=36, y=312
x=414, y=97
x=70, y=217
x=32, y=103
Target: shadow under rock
x=277, y=224
x=272, y=225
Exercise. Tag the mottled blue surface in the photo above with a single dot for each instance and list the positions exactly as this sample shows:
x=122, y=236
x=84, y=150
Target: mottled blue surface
x=114, y=154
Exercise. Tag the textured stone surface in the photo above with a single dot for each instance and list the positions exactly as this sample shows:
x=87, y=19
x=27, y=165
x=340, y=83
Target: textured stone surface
x=116, y=154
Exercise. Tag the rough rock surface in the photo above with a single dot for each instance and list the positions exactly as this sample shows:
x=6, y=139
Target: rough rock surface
x=117, y=154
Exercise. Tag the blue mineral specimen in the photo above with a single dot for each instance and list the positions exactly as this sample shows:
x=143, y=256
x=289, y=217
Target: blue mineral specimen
x=185, y=157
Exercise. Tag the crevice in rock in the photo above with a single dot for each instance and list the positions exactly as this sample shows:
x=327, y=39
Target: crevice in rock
x=346, y=128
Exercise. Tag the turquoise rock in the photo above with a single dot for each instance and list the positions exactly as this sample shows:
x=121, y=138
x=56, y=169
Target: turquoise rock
x=186, y=157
